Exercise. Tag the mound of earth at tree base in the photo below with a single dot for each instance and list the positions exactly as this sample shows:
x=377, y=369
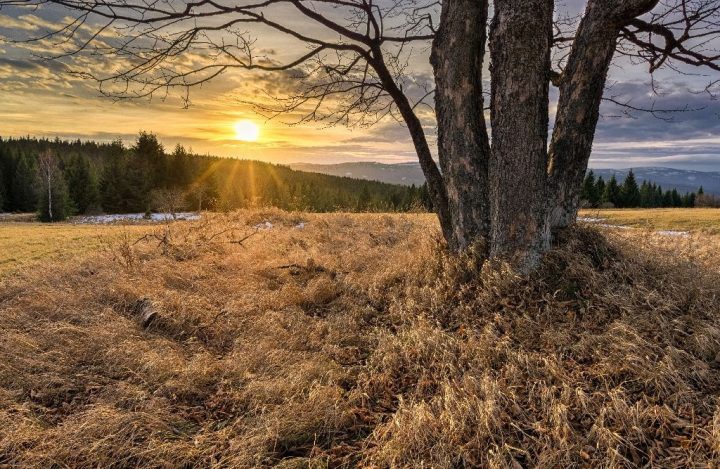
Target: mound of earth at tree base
x=357, y=342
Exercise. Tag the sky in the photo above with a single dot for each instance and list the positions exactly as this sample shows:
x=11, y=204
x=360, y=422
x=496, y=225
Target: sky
x=40, y=98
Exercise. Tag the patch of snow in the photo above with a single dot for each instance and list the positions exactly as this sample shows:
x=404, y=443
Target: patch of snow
x=120, y=217
x=616, y=227
x=681, y=234
x=264, y=226
x=591, y=219
x=300, y=226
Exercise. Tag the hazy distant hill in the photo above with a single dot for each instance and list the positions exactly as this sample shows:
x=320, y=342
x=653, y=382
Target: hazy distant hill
x=400, y=173
x=410, y=173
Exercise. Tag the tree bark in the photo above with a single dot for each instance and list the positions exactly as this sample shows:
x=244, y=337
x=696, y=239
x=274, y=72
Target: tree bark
x=520, y=43
x=463, y=147
x=581, y=90
x=49, y=184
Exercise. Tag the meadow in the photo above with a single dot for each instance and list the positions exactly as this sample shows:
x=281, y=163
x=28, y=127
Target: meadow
x=24, y=244
x=702, y=219
x=353, y=340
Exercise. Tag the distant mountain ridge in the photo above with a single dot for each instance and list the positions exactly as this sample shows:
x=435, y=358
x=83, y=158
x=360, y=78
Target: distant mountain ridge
x=397, y=173
x=684, y=180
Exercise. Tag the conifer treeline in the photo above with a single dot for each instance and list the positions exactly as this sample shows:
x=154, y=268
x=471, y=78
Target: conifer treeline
x=598, y=193
x=110, y=178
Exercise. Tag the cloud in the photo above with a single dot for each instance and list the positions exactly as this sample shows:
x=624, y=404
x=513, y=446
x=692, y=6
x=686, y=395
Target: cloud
x=39, y=97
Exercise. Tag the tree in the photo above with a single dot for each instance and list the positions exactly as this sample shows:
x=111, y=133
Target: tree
x=167, y=201
x=82, y=183
x=53, y=201
x=589, y=190
x=600, y=190
x=22, y=196
x=505, y=197
x=629, y=192
x=2, y=183
x=152, y=154
x=612, y=192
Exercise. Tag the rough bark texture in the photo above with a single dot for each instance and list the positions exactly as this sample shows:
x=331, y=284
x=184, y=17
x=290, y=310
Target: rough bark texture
x=520, y=42
x=463, y=147
x=581, y=90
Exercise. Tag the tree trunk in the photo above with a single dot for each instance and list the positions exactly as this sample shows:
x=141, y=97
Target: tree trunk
x=520, y=42
x=49, y=184
x=463, y=147
x=581, y=90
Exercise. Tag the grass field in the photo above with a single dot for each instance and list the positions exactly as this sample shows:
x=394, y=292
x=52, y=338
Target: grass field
x=706, y=219
x=24, y=244
x=353, y=340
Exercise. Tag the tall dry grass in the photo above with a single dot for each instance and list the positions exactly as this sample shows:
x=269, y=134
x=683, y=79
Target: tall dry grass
x=356, y=342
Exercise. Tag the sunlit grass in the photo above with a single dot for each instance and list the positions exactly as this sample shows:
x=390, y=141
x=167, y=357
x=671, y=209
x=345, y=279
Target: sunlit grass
x=353, y=340
x=706, y=219
x=25, y=244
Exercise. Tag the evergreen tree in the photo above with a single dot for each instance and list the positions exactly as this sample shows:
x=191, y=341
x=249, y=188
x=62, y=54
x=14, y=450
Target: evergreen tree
x=589, y=190
x=150, y=153
x=612, y=192
x=630, y=193
x=701, y=191
x=22, y=187
x=112, y=185
x=647, y=195
x=659, y=198
x=676, y=199
x=2, y=183
x=180, y=168
x=667, y=199
x=600, y=190
x=82, y=184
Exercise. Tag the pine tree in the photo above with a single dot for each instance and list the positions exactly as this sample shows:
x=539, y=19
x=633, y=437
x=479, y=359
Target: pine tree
x=179, y=168
x=150, y=152
x=600, y=190
x=2, y=183
x=612, y=192
x=630, y=193
x=22, y=188
x=676, y=199
x=5, y=165
x=647, y=195
x=589, y=193
x=82, y=183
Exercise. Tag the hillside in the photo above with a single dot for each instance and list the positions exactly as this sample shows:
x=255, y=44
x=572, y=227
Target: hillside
x=410, y=173
x=338, y=340
x=400, y=173
x=111, y=178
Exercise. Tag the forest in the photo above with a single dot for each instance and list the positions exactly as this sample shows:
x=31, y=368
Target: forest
x=59, y=178
x=596, y=193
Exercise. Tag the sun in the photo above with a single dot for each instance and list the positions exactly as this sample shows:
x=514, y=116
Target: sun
x=247, y=131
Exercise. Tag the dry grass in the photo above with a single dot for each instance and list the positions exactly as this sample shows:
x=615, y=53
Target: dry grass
x=356, y=342
x=23, y=244
x=696, y=219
